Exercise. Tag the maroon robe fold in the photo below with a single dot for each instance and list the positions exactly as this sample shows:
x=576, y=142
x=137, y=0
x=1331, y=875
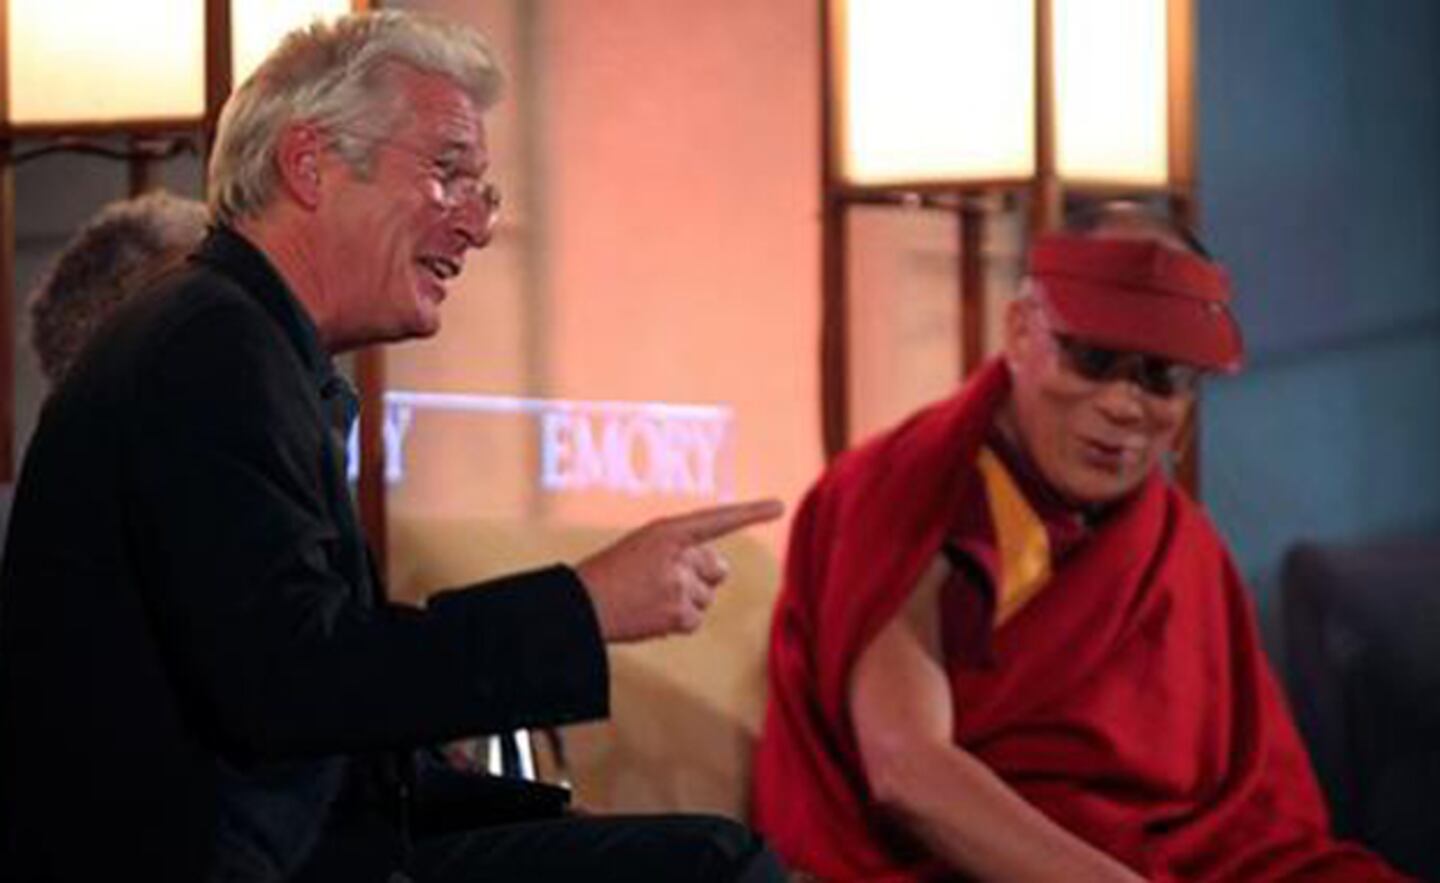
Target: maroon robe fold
x=1129, y=700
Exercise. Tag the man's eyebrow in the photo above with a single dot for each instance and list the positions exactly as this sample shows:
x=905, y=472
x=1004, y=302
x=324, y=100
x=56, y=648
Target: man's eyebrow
x=456, y=149
x=452, y=138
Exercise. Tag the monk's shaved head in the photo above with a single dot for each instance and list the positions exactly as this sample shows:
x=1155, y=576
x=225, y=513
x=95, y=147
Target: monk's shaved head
x=1124, y=219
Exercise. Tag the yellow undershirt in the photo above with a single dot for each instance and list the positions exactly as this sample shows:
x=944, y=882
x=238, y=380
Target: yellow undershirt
x=1022, y=544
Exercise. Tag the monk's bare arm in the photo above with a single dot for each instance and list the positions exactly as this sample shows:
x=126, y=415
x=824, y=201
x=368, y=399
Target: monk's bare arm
x=900, y=705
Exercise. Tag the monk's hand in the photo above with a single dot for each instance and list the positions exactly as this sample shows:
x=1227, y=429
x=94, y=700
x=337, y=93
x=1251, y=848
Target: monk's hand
x=661, y=578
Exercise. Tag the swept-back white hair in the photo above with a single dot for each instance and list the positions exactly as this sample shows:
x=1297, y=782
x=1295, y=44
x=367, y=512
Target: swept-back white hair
x=339, y=76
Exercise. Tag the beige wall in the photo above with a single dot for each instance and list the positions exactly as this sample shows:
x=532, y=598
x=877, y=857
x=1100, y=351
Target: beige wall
x=659, y=161
x=684, y=159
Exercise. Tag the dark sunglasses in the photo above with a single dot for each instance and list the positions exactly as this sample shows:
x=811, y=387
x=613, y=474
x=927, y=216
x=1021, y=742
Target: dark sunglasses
x=1155, y=375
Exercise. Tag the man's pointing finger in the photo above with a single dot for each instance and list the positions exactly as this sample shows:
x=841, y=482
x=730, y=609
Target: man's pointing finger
x=704, y=525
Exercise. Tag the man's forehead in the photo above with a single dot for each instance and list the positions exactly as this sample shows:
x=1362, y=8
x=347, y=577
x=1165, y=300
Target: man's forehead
x=442, y=110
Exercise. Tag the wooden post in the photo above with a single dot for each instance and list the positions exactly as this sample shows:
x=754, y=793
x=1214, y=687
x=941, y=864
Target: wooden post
x=1046, y=197
x=834, y=295
x=370, y=377
x=972, y=284
x=7, y=313
x=834, y=329
x=1180, y=126
x=141, y=166
x=7, y=267
x=218, y=74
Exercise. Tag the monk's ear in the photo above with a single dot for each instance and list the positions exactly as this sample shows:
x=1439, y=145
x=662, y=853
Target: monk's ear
x=1017, y=330
x=299, y=153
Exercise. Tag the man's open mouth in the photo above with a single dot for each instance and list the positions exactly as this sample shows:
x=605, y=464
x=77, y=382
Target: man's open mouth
x=443, y=269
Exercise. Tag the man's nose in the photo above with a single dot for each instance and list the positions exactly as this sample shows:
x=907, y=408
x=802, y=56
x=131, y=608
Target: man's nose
x=1121, y=399
x=475, y=222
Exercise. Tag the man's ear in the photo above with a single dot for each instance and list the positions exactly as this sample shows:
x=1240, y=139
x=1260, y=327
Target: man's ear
x=298, y=155
x=1016, y=329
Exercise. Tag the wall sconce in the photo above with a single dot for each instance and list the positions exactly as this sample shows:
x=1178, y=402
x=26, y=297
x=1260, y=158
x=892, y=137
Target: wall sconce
x=75, y=73
x=944, y=103
x=94, y=66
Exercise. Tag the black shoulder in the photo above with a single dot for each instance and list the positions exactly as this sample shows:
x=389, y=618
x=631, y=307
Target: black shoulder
x=196, y=301
x=189, y=302
x=199, y=353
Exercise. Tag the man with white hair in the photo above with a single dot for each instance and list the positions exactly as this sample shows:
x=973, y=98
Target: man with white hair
x=1009, y=649
x=200, y=678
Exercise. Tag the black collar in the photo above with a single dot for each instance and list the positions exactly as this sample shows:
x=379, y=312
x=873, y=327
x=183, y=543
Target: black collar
x=228, y=252
x=232, y=254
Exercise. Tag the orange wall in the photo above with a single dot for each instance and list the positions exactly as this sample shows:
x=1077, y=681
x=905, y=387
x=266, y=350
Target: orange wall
x=684, y=239
x=660, y=165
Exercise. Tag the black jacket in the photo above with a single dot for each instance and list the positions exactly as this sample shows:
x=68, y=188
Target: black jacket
x=188, y=625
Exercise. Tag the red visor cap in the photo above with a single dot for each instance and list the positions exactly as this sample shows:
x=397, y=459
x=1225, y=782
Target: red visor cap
x=1139, y=296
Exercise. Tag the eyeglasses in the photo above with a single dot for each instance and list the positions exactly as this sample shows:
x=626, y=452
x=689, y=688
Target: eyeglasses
x=1154, y=375
x=460, y=186
x=458, y=183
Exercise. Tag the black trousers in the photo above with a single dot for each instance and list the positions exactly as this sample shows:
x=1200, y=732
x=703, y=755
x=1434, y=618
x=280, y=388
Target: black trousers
x=632, y=849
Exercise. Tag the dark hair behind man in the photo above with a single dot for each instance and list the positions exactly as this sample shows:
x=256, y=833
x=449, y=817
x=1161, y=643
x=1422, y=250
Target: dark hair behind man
x=126, y=243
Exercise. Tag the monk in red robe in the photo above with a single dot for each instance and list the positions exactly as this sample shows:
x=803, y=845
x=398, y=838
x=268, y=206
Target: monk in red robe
x=1009, y=648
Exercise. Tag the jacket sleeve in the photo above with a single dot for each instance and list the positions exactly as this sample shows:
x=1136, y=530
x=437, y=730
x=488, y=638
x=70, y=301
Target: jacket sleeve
x=262, y=632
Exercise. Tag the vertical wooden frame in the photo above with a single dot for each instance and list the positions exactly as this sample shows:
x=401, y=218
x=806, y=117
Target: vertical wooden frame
x=971, y=333
x=834, y=306
x=370, y=486
x=7, y=267
x=1180, y=119
x=1046, y=194
x=7, y=314
x=1180, y=37
x=217, y=68
x=4, y=71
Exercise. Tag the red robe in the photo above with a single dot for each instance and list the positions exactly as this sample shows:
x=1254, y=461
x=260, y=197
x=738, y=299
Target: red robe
x=1129, y=701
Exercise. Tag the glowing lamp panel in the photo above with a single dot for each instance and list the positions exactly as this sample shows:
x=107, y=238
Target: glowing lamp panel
x=258, y=25
x=1110, y=91
x=101, y=61
x=936, y=90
